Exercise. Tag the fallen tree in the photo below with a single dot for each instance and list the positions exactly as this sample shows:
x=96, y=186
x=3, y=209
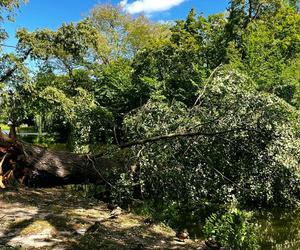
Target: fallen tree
x=36, y=166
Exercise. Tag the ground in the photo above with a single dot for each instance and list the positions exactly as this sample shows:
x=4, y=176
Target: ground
x=59, y=219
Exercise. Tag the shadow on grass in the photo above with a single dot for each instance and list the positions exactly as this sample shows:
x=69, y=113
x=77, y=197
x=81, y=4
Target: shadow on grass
x=67, y=217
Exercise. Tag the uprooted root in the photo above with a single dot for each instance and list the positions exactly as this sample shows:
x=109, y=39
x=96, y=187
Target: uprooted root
x=12, y=167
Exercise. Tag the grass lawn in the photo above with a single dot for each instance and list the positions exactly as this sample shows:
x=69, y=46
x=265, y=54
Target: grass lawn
x=4, y=126
x=21, y=129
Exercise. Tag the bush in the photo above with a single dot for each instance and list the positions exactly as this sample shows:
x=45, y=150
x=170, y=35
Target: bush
x=232, y=230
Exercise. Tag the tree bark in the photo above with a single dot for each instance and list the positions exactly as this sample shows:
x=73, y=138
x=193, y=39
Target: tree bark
x=187, y=134
x=36, y=166
x=12, y=131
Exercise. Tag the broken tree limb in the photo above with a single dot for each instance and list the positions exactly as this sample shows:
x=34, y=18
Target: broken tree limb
x=187, y=134
x=1, y=164
x=36, y=166
x=1, y=172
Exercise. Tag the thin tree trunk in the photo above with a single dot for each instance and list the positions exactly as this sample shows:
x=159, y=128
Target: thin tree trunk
x=12, y=131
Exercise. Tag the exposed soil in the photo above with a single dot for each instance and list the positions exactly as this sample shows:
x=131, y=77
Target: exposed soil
x=59, y=219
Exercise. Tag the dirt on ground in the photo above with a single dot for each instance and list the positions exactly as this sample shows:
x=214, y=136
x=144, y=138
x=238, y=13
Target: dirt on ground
x=59, y=219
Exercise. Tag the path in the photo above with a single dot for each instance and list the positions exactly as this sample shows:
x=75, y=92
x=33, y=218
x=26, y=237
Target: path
x=58, y=219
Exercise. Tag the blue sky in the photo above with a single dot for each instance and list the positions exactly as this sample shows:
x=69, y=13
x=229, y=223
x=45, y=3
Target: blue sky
x=52, y=13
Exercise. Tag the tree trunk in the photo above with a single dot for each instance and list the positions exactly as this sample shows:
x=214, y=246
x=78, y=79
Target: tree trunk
x=12, y=131
x=36, y=166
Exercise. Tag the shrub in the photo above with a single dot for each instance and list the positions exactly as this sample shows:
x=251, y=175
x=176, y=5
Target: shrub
x=232, y=230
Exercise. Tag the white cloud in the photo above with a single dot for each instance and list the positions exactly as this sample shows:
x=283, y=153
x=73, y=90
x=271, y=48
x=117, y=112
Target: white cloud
x=149, y=6
x=123, y=3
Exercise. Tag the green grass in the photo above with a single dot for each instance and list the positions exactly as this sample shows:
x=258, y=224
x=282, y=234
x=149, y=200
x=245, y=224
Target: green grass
x=4, y=126
x=21, y=129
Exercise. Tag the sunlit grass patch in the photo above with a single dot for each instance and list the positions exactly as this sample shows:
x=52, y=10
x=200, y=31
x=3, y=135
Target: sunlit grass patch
x=4, y=126
x=37, y=227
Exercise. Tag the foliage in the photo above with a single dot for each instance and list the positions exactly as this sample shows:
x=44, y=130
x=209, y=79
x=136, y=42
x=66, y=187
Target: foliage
x=123, y=35
x=274, y=46
x=83, y=85
x=246, y=147
x=232, y=229
x=7, y=9
x=182, y=63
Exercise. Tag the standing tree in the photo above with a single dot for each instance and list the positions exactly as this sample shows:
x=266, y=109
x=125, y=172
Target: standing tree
x=13, y=72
